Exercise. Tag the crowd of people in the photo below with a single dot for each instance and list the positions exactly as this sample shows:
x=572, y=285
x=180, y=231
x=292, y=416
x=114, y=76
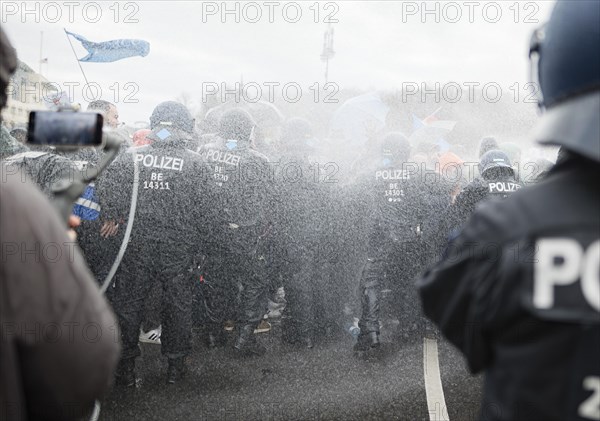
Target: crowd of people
x=224, y=224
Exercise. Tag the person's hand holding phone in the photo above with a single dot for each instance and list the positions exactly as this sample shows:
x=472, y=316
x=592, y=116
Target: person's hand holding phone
x=74, y=222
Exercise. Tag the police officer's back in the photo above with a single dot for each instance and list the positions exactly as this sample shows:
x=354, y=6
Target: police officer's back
x=302, y=215
x=237, y=180
x=518, y=292
x=154, y=193
x=42, y=166
x=300, y=190
x=163, y=178
x=393, y=194
x=497, y=180
x=237, y=177
x=392, y=201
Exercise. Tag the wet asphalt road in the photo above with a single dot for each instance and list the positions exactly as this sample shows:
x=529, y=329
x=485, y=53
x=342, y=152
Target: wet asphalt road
x=325, y=383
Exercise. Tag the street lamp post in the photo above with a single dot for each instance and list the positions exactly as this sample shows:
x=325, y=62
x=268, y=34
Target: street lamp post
x=328, y=52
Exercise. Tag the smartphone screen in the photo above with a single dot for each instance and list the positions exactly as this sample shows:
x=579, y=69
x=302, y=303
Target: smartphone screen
x=65, y=128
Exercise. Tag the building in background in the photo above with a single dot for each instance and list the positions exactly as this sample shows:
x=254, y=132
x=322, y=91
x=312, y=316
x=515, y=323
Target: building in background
x=27, y=91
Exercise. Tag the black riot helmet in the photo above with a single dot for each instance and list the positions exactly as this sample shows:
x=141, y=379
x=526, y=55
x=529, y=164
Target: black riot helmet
x=172, y=114
x=494, y=164
x=486, y=144
x=566, y=64
x=395, y=148
x=296, y=130
x=236, y=124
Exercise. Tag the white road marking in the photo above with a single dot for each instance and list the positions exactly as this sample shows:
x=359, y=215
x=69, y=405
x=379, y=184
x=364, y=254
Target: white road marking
x=96, y=413
x=436, y=404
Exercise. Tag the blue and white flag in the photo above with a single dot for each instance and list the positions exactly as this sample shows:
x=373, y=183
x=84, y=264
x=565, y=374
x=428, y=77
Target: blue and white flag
x=87, y=206
x=432, y=130
x=108, y=51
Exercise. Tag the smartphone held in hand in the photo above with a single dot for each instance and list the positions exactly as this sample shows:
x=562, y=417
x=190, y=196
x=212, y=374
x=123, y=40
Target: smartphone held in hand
x=65, y=129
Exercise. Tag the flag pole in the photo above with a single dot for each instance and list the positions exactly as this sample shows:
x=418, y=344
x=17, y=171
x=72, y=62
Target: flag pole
x=78, y=62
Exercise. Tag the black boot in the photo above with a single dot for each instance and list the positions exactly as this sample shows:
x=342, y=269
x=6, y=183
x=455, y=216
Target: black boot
x=125, y=375
x=292, y=333
x=374, y=339
x=246, y=344
x=216, y=338
x=367, y=341
x=289, y=331
x=176, y=370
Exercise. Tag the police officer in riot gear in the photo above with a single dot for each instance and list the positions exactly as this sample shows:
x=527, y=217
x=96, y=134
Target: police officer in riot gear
x=497, y=180
x=518, y=290
x=302, y=213
x=155, y=194
x=392, y=193
x=42, y=166
x=238, y=190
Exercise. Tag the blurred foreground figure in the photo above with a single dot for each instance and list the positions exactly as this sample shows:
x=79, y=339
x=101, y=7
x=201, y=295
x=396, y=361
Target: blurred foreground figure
x=518, y=291
x=58, y=347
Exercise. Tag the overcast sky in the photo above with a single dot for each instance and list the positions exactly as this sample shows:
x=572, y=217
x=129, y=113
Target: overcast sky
x=377, y=44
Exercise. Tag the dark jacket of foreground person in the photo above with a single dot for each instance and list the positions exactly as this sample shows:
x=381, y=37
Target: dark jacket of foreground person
x=517, y=293
x=59, y=346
